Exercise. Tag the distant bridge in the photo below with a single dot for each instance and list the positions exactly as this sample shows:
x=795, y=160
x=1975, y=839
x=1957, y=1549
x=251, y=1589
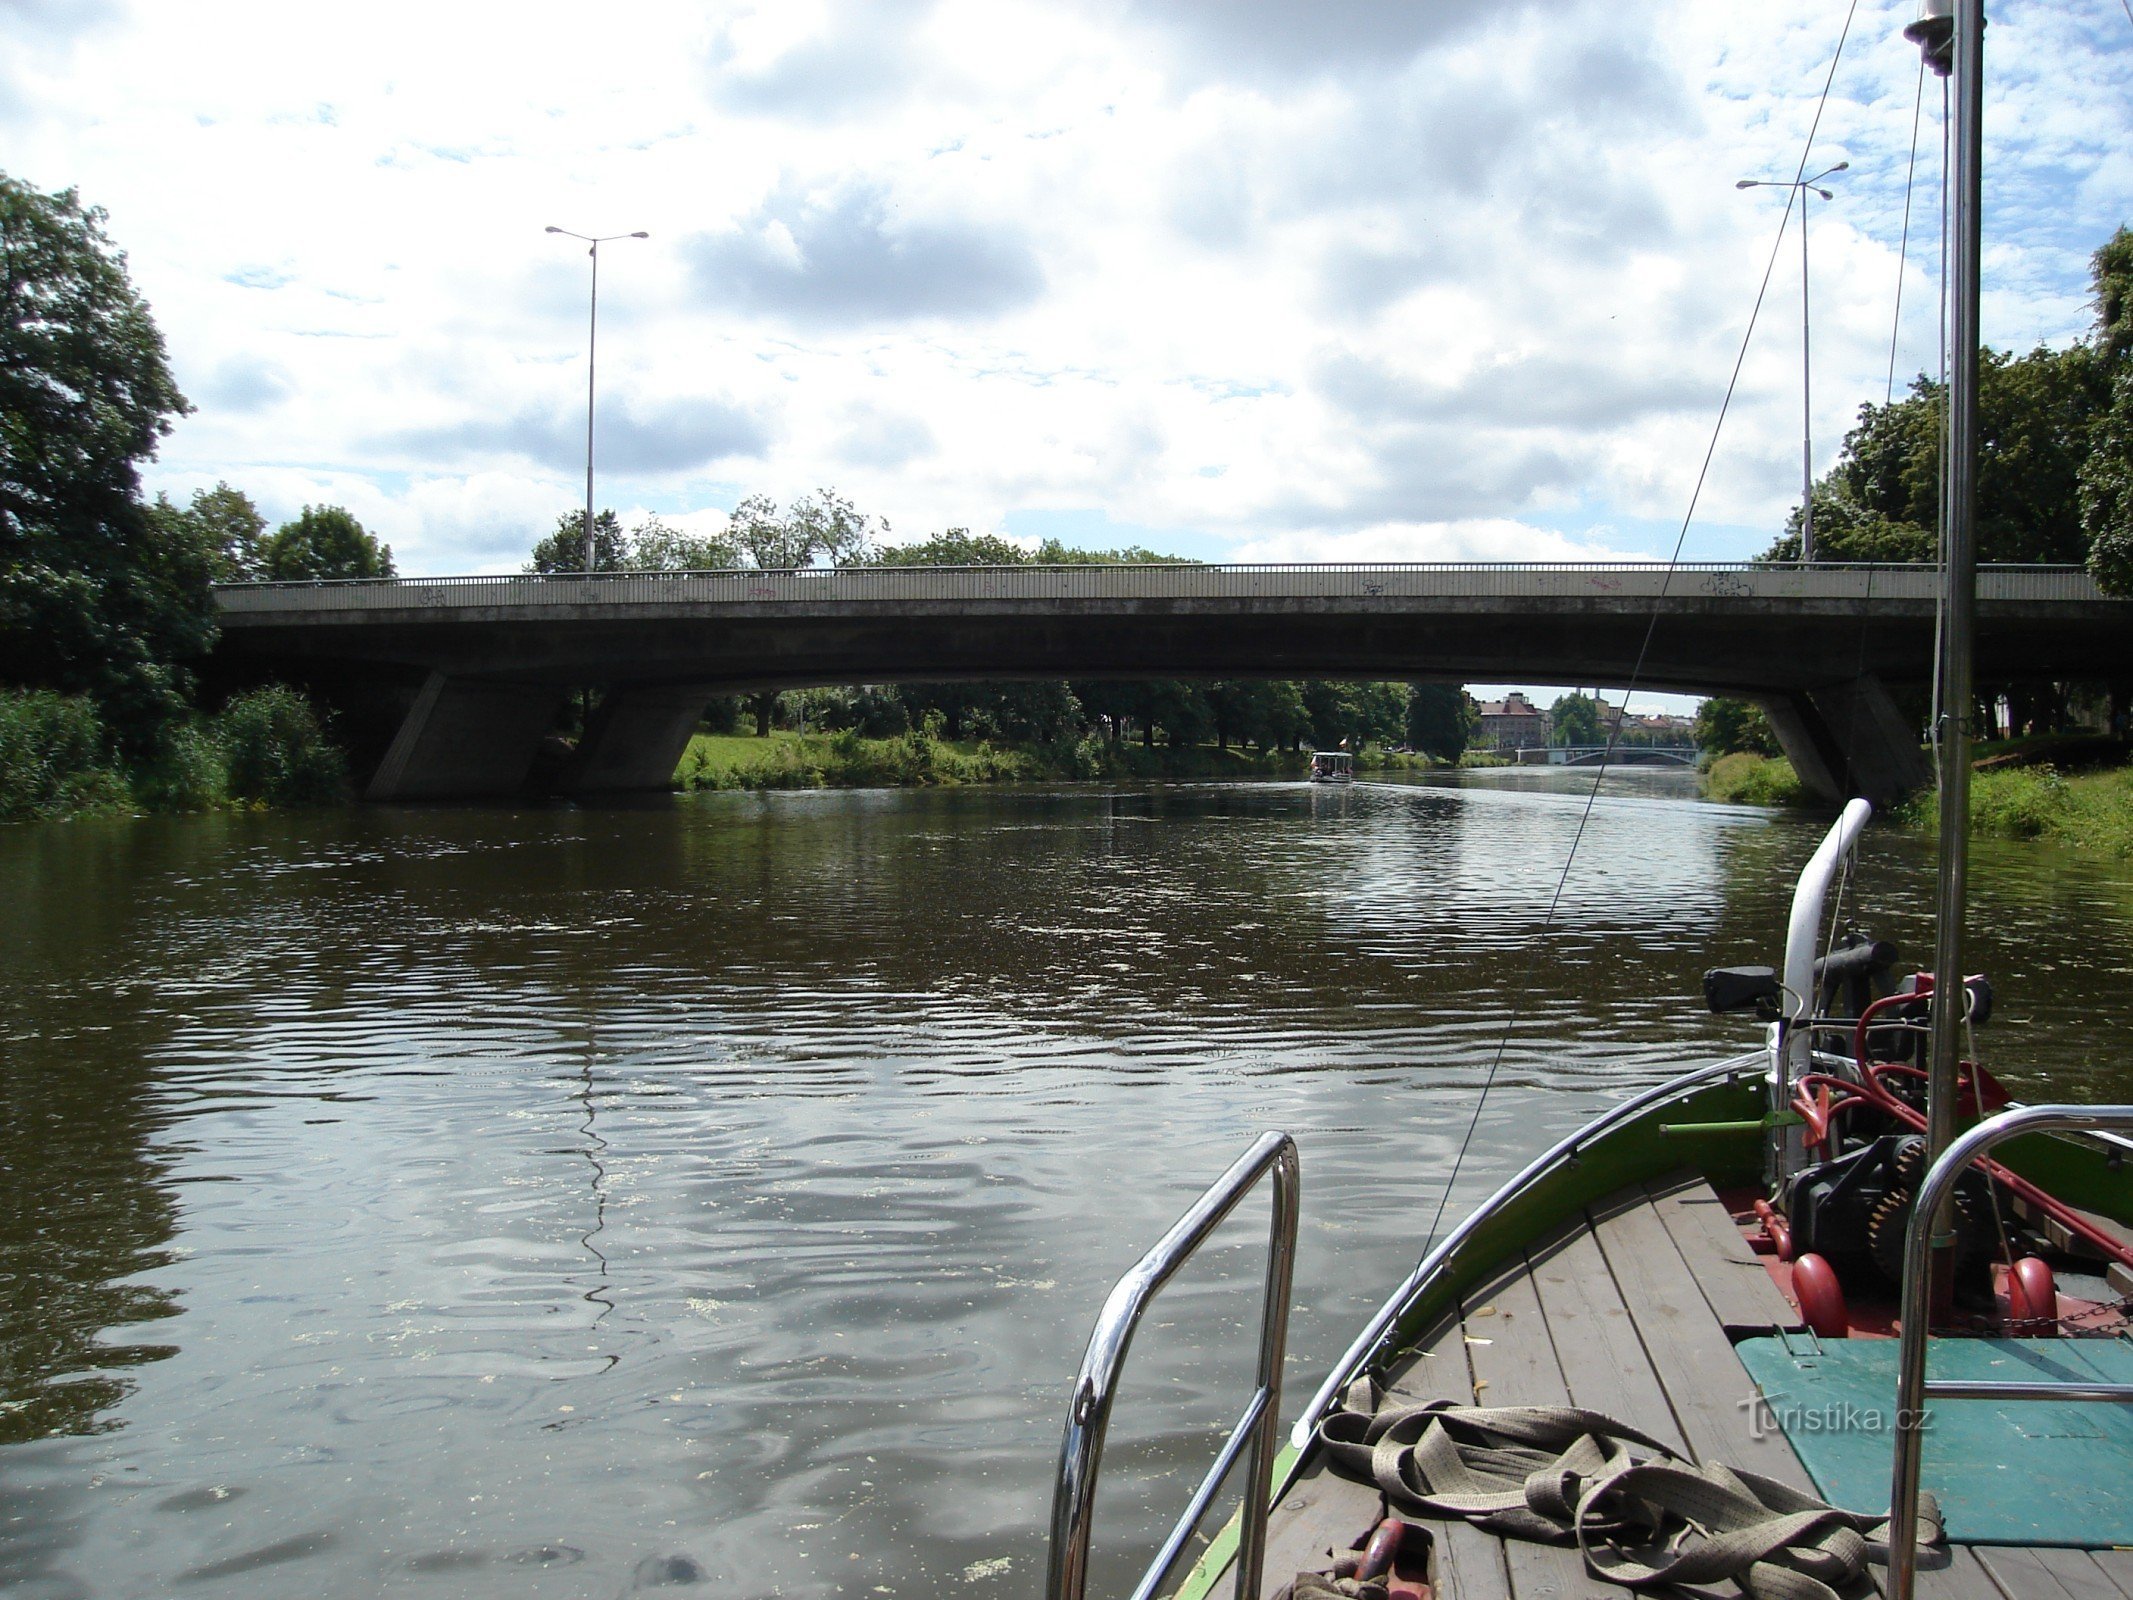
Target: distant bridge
x=494, y=656
x=1621, y=755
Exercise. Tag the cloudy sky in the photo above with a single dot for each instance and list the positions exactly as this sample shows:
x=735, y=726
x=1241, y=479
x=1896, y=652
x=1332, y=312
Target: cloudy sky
x=1386, y=279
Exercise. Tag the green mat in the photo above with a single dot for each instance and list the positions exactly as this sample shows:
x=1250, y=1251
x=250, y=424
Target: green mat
x=2018, y=1472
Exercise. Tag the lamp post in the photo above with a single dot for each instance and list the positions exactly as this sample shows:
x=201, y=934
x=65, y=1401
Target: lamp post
x=1806, y=187
x=592, y=336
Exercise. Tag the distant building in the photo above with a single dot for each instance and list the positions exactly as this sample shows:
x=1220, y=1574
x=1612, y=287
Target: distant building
x=1512, y=723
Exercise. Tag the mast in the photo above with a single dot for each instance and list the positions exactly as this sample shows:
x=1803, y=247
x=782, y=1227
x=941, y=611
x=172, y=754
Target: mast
x=1959, y=511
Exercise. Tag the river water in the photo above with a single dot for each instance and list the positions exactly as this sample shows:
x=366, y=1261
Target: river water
x=718, y=1194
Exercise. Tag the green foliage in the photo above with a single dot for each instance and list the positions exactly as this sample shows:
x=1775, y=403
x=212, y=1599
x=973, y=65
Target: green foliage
x=1725, y=726
x=1881, y=501
x=276, y=752
x=222, y=521
x=1052, y=553
x=921, y=756
x=958, y=547
x=653, y=546
x=823, y=524
x=1441, y=718
x=2111, y=270
x=564, y=548
x=186, y=772
x=1576, y=719
x=1354, y=714
x=97, y=596
x=2107, y=488
x=1752, y=780
x=322, y=543
x=55, y=758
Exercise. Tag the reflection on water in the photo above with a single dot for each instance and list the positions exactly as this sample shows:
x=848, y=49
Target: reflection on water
x=572, y=1202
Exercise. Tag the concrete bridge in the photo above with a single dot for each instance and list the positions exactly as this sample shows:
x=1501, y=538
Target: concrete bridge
x=1621, y=755
x=1819, y=647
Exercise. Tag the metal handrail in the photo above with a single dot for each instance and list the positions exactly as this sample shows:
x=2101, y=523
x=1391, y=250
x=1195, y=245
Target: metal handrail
x=1912, y=1389
x=1089, y=1414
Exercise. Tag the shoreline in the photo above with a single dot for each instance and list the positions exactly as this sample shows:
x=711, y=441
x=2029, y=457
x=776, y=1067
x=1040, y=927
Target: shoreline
x=2090, y=812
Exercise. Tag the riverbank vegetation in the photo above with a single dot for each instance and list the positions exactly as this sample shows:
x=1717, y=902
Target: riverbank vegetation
x=922, y=757
x=106, y=604
x=267, y=748
x=1747, y=779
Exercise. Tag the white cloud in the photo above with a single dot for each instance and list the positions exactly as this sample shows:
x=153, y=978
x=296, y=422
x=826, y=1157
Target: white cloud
x=1368, y=276
x=1482, y=539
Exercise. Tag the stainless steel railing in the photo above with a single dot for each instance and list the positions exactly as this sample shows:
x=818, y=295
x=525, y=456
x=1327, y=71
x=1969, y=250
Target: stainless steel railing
x=1913, y=1389
x=1089, y=1414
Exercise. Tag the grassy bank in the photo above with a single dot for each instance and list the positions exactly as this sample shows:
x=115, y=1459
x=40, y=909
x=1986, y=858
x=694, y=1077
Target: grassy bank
x=2090, y=811
x=264, y=749
x=1752, y=780
x=921, y=757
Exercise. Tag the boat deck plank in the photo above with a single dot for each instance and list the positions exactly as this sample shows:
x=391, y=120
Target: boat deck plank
x=1628, y=1312
x=2117, y=1565
x=1323, y=1513
x=1734, y=1281
x=1603, y=1358
x=1469, y=1561
x=1690, y=1353
x=1514, y=1361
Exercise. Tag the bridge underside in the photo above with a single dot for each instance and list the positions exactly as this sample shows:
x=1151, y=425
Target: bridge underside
x=496, y=676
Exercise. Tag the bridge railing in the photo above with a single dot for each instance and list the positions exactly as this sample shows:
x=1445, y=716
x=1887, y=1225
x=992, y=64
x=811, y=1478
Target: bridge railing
x=1181, y=581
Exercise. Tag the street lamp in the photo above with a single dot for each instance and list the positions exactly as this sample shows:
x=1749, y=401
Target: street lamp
x=1806, y=187
x=592, y=334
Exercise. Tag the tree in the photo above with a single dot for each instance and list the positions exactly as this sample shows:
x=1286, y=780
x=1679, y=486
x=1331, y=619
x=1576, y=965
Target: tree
x=1881, y=501
x=958, y=547
x=1725, y=725
x=226, y=522
x=323, y=542
x=655, y=546
x=821, y=524
x=1575, y=719
x=1441, y=718
x=2111, y=270
x=563, y=551
x=2107, y=491
x=96, y=594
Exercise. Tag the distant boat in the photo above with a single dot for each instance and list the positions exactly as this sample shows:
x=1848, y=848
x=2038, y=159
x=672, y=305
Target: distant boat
x=1332, y=766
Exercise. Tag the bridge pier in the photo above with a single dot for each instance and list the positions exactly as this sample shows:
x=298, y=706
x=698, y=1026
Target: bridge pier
x=466, y=738
x=1849, y=739
x=637, y=738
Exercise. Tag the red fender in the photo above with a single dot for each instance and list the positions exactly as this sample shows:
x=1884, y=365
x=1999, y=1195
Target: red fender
x=2033, y=1298
x=1821, y=1297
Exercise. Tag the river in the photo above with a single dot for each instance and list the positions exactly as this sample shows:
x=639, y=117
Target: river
x=718, y=1193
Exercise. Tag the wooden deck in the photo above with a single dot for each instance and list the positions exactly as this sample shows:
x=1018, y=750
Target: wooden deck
x=1633, y=1312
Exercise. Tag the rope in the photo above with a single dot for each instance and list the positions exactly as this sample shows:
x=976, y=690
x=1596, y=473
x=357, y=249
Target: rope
x=1903, y=248
x=1641, y=1516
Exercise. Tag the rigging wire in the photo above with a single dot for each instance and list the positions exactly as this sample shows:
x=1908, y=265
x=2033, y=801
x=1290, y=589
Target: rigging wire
x=1651, y=626
x=1940, y=520
x=1903, y=248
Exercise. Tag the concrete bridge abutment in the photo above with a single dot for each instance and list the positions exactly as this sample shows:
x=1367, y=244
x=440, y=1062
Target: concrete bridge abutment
x=1849, y=739
x=466, y=738
x=636, y=739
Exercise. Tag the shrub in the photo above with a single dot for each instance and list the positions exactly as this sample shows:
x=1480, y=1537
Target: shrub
x=1752, y=780
x=55, y=757
x=276, y=751
x=185, y=773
